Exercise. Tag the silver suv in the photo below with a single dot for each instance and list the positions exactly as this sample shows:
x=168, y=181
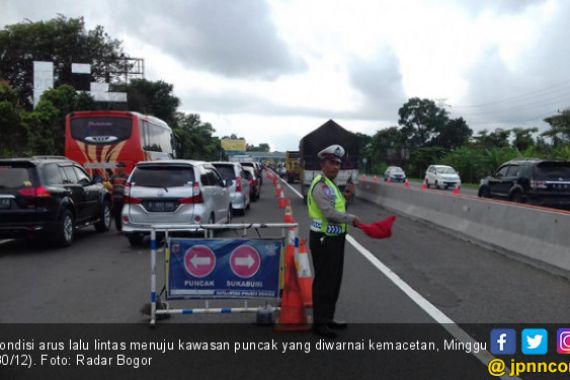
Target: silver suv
x=173, y=192
x=235, y=176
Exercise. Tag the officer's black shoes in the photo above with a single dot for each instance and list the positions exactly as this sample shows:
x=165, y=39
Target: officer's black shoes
x=324, y=331
x=337, y=325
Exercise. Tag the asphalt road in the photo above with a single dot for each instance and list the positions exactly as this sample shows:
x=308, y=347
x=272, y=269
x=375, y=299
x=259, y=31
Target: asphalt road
x=421, y=275
x=102, y=279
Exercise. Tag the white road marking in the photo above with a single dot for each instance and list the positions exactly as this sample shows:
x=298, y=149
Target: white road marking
x=446, y=322
x=5, y=241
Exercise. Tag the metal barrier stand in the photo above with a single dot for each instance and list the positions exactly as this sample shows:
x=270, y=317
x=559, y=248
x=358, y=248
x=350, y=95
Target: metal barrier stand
x=208, y=233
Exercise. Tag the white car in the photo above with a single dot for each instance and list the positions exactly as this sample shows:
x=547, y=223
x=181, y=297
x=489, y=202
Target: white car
x=442, y=176
x=395, y=173
x=174, y=192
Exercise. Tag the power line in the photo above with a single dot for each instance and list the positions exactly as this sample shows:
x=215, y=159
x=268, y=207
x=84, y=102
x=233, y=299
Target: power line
x=562, y=86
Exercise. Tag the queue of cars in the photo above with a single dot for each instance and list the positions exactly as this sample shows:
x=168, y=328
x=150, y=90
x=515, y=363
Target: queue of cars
x=183, y=192
x=535, y=181
x=49, y=198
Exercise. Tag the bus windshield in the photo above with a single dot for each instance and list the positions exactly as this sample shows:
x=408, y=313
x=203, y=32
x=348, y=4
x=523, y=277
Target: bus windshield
x=101, y=130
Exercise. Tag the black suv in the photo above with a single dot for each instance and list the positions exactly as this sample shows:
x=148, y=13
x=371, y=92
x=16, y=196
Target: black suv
x=535, y=181
x=49, y=197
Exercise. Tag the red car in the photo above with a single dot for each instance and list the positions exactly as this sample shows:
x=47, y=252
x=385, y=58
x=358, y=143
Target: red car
x=254, y=183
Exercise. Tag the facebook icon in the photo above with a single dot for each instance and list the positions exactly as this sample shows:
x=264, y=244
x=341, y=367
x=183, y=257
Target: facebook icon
x=503, y=342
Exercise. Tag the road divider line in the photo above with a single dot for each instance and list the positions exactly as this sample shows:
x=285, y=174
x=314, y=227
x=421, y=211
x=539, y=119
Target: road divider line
x=447, y=323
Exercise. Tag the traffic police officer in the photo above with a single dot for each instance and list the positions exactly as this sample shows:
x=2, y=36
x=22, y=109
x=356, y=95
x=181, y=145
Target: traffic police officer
x=329, y=220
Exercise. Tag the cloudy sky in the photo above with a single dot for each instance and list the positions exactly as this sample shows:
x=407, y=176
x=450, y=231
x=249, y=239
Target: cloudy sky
x=273, y=70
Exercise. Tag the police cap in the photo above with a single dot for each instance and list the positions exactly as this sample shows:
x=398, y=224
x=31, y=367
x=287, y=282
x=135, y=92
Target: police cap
x=333, y=152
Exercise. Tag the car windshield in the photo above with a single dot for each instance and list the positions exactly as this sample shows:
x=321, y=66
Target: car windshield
x=397, y=170
x=162, y=176
x=553, y=171
x=12, y=178
x=226, y=171
x=446, y=171
x=250, y=171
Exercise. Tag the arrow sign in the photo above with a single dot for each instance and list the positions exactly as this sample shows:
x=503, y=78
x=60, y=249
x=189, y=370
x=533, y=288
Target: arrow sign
x=245, y=261
x=248, y=261
x=199, y=261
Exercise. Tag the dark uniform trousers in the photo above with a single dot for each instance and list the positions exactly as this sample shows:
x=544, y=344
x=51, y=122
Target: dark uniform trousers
x=117, y=208
x=328, y=261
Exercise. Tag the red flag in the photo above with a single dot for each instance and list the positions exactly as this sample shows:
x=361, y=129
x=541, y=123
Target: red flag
x=379, y=230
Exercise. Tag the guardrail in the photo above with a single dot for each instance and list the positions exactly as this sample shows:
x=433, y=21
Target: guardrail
x=537, y=233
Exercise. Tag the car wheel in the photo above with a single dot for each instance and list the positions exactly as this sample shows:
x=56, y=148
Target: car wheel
x=104, y=223
x=65, y=229
x=135, y=239
x=427, y=184
x=436, y=185
x=484, y=192
x=518, y=197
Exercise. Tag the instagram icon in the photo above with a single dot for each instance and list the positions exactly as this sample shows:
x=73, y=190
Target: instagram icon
x=563, y=341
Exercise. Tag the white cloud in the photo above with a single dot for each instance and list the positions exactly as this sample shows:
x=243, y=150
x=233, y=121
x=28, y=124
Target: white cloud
x=273, y=70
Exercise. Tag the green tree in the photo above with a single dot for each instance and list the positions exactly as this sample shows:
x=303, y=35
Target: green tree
x=387, y=145
x=46, y=124
x=421, y=158
x=13, y=133
x=263, y=147
x=497, y=139
x=194, y=139
x=61, y=40
x=559, y=130
x=523, y=138
x=421, y=120
x=452, y=134
x=152, y=97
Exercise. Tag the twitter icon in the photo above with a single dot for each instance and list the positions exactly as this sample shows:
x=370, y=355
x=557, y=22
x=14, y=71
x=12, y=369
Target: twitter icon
x=534, y=341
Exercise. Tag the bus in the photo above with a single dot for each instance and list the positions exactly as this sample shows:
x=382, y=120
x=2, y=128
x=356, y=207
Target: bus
x=98, y=140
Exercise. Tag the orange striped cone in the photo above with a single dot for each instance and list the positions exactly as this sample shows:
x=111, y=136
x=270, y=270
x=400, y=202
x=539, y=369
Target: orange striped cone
x=456, y=190
x=424, y=185
x=292, y=316
x=282, y=203
x=304, y=275
x=407, y=184
x=277, y=190
x=288, y=213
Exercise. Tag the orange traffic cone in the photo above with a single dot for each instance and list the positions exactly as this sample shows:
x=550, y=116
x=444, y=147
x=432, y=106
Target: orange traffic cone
x=304, y=275
x=407, y=184
x=424, y=185
x=456, y=190
x=292, y=315
x=277, y=190
x=375, y=179
x=389, y=180
x=288, y=213
x=282, y=203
